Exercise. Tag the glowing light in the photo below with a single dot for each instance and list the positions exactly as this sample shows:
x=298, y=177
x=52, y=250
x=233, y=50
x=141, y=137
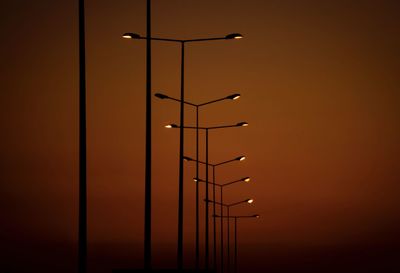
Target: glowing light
x=130, y=35
x=243, y=123
x=233, y=96
x=234, y=36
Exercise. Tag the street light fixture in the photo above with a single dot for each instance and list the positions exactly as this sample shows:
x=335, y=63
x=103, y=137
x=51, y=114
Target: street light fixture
x=136, y=36
x=234, y=96
x=239, y=158
x=207, y=208
x=237, y=217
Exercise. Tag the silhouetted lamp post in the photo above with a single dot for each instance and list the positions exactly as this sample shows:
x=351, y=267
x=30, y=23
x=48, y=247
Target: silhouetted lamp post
x=82, y=217
x=147, y=195
x=181, y=142
x=239, y=158
x=228, y=206
x=230, y=97
x=240, y=124
x=235, y=231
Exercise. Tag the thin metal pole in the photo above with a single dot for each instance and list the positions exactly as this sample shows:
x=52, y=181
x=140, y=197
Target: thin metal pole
x=82, y=230
x=197, y=188
x=222, y=233
x=180, y=197
x=235, y=245
x=207, y=203
x=229, y=260
x=147, y=194
x=214, y=223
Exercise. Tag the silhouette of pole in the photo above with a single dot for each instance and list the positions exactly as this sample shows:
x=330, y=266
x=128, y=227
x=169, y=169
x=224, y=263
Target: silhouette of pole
x=147, y=194
x=180, y=195
x=197, y=190
x=222, y=232
x=214, y=223
x=206, y=214
x=235, y=259
x=82, y=230
x=228, y=245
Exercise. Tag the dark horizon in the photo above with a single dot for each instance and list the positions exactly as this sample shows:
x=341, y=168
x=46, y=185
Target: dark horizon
x=274, y=259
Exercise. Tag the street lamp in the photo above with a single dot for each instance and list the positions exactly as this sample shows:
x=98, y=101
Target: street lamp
x=136, y=36
x=240, y=124
x=228, y=206
x=246, y=179
x=237, y=217
x=230, y=97
x=82, y=194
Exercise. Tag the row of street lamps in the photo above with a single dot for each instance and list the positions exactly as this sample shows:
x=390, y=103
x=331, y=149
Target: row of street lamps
x=182, y=42
x=182, y=158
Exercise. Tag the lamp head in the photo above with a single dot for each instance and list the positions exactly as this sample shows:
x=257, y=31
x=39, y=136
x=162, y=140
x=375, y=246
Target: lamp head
x=234, y=36
x=171, y=126
x=161, y=96
x=233, y=97
x=240, y=158
x=256, y=216
x=186, y=158
x=250, y=201
x=130, y=35
x=243, y=123
x=246, y=179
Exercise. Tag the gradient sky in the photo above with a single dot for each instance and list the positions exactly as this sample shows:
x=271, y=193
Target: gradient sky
x=320, y=89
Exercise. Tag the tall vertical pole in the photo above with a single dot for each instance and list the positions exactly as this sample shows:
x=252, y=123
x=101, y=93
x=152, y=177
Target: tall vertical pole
x=180, y=195
x=214, y=223
x=222, y=232
x=197, y=188
x=82, y=230
x=147, y=201
x=235, y=262
x=207, y=203
x=228, y=247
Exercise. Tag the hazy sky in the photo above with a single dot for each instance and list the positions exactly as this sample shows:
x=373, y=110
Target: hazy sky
x=320, y=89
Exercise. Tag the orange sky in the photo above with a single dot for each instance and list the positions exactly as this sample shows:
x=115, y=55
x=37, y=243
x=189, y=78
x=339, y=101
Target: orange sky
x=320, y=90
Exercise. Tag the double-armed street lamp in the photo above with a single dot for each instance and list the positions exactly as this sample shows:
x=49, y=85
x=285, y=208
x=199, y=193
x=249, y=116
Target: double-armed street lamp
x=207, y=129
x=235, y=231
x=197, y=179
x=228, y=206
x=182, y=42
x=197, y=106
x=136, y=36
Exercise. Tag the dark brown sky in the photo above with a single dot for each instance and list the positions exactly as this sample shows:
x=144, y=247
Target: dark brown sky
x=320, y=88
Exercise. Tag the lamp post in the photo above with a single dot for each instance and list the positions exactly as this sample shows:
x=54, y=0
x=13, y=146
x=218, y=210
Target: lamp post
x=197, y=106
x=82, y=217
x=182, y=99
x=228, y=206
x=240, y=124
x=239, y=158
x=235, y=231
